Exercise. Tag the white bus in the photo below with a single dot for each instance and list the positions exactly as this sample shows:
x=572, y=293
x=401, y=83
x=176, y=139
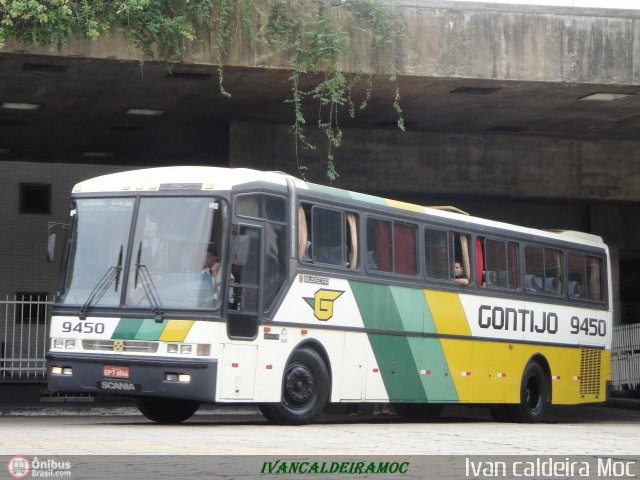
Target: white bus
x=190, y=285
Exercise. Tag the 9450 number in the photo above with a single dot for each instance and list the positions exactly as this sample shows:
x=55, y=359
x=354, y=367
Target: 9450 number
x=83, y=327
x=589, y=326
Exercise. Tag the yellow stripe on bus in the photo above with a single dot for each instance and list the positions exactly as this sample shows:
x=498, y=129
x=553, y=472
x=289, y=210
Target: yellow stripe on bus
x=405, y=206
x=447, y=313
x=491, y=372
x=449, y=318
x=176, y=330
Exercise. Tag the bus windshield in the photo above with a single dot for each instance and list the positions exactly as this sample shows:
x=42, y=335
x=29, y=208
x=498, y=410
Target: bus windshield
x=99, y=229
x=176, y=241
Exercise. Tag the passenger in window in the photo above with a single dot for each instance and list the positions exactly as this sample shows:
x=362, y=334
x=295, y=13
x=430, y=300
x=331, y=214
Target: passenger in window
x=458, y=275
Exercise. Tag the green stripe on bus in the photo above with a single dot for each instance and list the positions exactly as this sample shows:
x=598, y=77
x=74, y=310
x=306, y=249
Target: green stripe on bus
x=329, y=190
x=397, y=367
x=368, y=198
x=127, y=329
x=395, y=354
x=411, y=305
x=428, y=354
x=435, y=375
x=413, y=368
x=150, y=330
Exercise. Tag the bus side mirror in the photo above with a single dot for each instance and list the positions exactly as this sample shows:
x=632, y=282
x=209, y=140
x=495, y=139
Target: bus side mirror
x=51, y=241
x=51, y=247
x=241, y=249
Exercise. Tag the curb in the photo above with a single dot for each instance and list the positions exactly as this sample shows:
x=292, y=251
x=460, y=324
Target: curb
x=111, y=410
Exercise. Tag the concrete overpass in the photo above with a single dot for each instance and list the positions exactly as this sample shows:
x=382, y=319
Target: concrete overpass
x=495, y=99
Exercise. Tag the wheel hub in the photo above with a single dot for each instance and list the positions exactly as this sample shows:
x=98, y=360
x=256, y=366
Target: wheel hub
x=299, y=386
x=533, y=394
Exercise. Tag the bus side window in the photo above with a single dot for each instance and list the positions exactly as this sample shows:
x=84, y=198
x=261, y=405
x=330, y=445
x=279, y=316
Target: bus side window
x=500, y=263
x=379, y=245
x=444, y=250
x=327, y=236
x=544, y=266
x=392, y=246
x=584, y=276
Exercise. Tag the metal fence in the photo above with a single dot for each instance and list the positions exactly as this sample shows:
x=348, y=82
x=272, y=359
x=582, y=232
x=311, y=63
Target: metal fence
x=24, y=331
x=625, y=357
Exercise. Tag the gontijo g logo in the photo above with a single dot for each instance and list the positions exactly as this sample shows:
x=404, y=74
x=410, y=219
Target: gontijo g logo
x=322, y=303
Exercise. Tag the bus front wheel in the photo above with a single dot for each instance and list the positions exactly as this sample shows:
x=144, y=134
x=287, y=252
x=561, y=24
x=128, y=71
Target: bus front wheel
x=305, y=390
x=164, y=410
x=535, y=393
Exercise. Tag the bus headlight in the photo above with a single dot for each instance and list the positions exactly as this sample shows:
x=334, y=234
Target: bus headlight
x=58, y=343
x=70, y=343
x=200, y=349
x=204, y=349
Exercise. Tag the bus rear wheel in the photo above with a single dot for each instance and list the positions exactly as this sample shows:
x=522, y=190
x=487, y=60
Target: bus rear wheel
x=305, y=390
x=164, y=410
x=535, y=394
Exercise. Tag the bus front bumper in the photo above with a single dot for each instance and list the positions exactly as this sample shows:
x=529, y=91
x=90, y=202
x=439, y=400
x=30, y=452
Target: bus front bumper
x=185, y=379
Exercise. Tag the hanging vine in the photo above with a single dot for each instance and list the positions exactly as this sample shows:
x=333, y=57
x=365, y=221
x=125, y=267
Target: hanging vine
x=316, y=36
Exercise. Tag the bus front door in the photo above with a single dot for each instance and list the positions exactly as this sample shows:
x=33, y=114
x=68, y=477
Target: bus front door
x=245, y=302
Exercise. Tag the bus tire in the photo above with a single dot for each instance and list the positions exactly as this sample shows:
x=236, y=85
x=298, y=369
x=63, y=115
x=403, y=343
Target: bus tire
x=418, y=411
x=165, y=410
x=534, y=395
x=305, y=390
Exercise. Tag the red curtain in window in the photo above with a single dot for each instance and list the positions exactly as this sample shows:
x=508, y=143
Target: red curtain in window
x=383, y=245
x=479, y=262
x=404, y=249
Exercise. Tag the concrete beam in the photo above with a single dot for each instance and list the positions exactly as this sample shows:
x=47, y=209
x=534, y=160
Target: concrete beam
x=451, y=39
x=385, y=161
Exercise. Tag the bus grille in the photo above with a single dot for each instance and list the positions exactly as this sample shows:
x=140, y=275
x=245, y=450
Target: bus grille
x=590, y=371
x=120, y=346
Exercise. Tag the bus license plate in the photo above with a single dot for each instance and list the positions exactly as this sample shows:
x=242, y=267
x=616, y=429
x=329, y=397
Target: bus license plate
x=111, y=371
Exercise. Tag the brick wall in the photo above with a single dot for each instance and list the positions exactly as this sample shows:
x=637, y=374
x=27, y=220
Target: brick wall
x=23, y=237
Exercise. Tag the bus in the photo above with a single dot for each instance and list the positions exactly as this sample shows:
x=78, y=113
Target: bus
x=183, y=286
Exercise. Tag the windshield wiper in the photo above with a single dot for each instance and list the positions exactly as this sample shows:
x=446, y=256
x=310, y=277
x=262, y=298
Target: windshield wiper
x=113, y=273
x=148, y=286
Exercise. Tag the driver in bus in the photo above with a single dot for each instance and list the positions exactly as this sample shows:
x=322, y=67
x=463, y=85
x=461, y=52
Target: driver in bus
x=212, y=264
x=213, y=267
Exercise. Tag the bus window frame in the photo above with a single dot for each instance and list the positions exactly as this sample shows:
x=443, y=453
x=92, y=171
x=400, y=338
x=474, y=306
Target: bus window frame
x=564, y=295
x=451, y=229
x=365, y=243
x=343, y=236
x=439, y=280
x=603, y=278
x=519, y=261
x=256, y=221
x=310, y=203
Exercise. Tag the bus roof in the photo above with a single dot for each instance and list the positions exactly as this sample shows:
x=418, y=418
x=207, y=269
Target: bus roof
x=220, y=178
x=172, y=178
